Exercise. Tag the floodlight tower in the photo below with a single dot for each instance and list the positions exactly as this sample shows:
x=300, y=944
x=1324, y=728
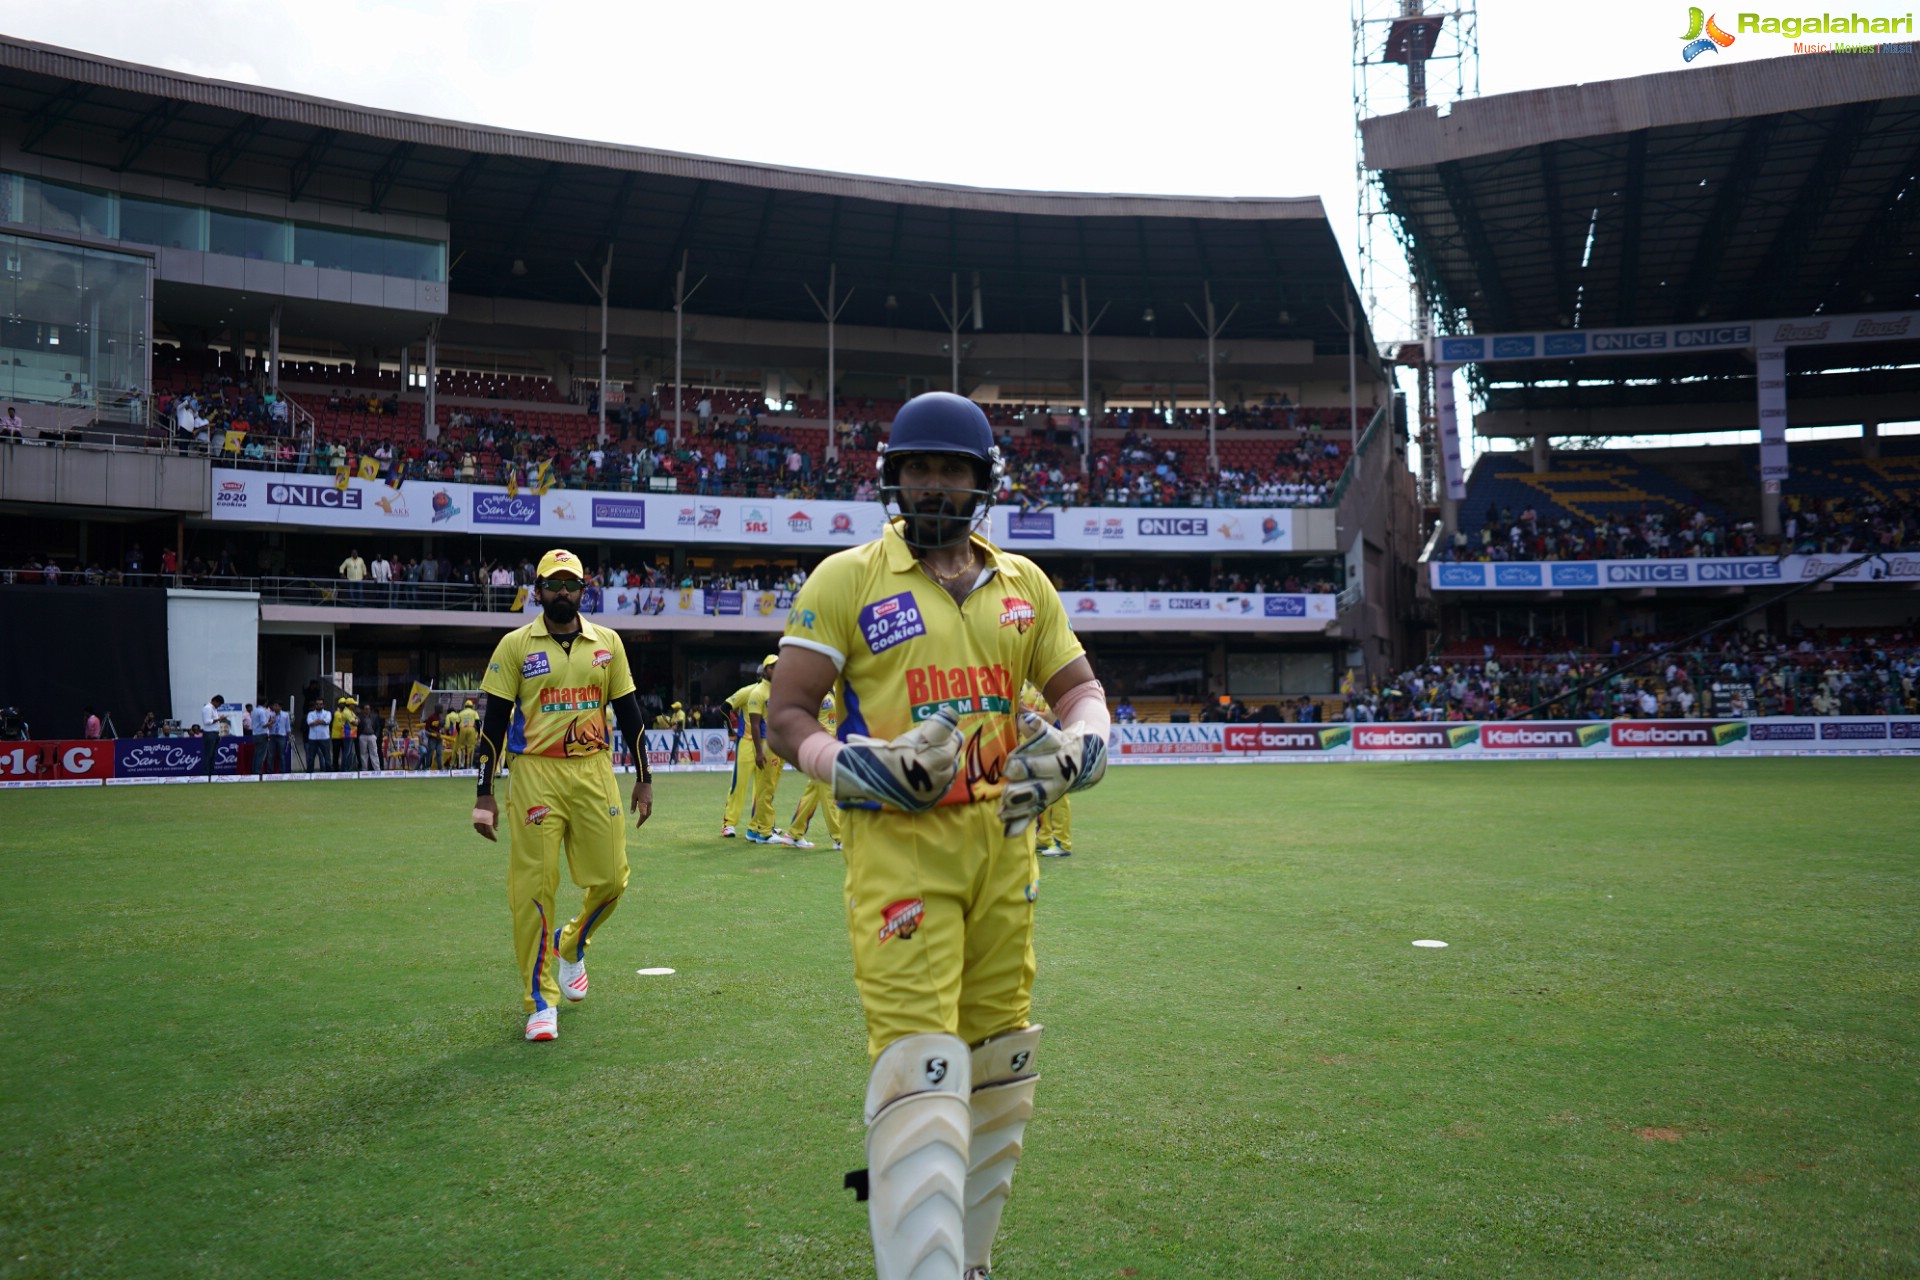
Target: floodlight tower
x=1405, y=55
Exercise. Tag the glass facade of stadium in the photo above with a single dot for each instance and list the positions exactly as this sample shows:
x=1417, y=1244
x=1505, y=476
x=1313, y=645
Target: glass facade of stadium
x=75, y=321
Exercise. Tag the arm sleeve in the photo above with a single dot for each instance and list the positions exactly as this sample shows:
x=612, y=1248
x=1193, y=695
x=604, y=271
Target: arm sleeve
x=493, y=738
x=626, y=713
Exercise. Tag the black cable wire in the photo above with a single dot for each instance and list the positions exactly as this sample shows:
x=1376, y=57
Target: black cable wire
x=1679, y=645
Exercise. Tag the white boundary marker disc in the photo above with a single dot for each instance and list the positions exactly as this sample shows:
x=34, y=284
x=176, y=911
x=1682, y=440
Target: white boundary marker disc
x=1422, y=942
x=663, y=972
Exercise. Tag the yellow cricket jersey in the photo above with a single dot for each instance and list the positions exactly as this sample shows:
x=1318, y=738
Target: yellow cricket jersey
x=467, y=717
x=905, y=649
x=740, y=703
x=561, y=695
x=829, y=719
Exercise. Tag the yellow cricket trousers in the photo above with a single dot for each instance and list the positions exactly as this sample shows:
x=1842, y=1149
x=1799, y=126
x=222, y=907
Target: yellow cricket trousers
x=940, y=914
x=554, y=804
x=818, y=795
x=1056, y=824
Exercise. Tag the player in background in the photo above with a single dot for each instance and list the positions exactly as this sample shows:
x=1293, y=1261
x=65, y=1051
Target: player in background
x=677, y=721
x=767, y=763
x=818, y=795
x=550, y=686
x=466, y=739
x=1054, y=831
x=924, y=637
x=745, y=762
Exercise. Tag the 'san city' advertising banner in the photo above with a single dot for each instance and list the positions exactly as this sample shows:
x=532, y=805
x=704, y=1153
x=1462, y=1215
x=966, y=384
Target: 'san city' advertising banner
x=1615, y=575
x=429, y=506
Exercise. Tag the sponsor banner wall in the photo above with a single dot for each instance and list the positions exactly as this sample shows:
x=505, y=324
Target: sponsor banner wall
x=47, y=761
x=1145, y=743
x=1883, y=326
x=425, y=506
x=1611, y=575
x=1144, y=529
x=691, y=608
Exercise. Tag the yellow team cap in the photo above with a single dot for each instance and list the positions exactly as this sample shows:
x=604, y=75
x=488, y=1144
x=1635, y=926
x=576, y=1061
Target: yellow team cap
x=676, y=706
x=770, y=659
x=559, y=561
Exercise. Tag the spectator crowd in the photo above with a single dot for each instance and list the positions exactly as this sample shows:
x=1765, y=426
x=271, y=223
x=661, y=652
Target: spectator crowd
x=1740, y=674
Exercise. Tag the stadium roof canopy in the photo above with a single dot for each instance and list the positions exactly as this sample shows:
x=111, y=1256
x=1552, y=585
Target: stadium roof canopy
x=523, y=208
x=1776, y=188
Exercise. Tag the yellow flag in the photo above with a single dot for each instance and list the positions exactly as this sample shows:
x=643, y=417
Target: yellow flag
x=234, y=440
x=369, y=467
x=418, y=697
x=513, y=481
x=340, y=476
x=520, y=600
x=543, y=478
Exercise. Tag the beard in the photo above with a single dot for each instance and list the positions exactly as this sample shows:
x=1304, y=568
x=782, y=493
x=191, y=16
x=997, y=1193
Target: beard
x=937, y=522
x=561, y=611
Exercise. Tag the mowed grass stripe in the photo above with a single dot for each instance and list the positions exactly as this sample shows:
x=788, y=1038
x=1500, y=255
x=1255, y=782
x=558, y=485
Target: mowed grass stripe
x=273, y=1030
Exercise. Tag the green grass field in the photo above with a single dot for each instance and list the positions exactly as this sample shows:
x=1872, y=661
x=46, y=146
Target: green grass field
x=274, y=1031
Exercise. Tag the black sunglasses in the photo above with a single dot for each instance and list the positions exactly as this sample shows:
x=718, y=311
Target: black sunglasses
x=562, y=584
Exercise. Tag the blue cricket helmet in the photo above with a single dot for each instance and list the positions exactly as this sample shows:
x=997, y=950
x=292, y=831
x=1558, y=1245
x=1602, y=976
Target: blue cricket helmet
x=941, y=422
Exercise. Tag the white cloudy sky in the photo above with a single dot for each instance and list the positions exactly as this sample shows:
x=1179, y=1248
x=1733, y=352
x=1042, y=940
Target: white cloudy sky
x=1205, y=97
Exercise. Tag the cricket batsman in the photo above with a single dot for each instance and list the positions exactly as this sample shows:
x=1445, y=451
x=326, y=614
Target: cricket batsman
x=924, y=637
x=550, y=686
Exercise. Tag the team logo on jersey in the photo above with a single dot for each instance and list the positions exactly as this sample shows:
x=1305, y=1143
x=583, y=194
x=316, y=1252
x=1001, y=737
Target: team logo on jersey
x=535, y=665
x=538, y=814
x=1016, y=613
x=601, y=657
x=900, y=919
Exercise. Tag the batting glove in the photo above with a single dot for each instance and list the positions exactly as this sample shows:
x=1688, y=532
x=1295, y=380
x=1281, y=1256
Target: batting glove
x=911, y=772
x=1047, y=765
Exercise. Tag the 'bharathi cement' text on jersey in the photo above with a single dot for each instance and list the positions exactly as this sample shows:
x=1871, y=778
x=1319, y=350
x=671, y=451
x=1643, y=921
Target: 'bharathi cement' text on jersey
x=905, y=649
x=561, y=695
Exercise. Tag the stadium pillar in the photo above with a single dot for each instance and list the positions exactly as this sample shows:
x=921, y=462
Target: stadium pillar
x=606, y=282
x=430, y=427
x=955, y=318
x=273, y=352
x=680, y=295
x=1770, y=363
x=1870, y=439
x=1213, y=328
x=1087, y=406
x=1541, y=453
x=831, y=311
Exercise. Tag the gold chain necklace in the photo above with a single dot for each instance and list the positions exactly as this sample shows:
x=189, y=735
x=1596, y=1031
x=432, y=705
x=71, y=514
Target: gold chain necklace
x=947, y=580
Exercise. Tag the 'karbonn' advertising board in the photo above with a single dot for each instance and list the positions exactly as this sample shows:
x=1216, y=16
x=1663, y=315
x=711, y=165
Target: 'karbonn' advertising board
x=1486, y=740
x=1619, y=575
x=431, y=507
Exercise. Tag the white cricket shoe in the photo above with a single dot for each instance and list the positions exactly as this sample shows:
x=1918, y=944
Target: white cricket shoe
x=726, y=829
x=781, y=837
x=573, y=977
x=837, y=846
x=800, y=842
x=544, y=1024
